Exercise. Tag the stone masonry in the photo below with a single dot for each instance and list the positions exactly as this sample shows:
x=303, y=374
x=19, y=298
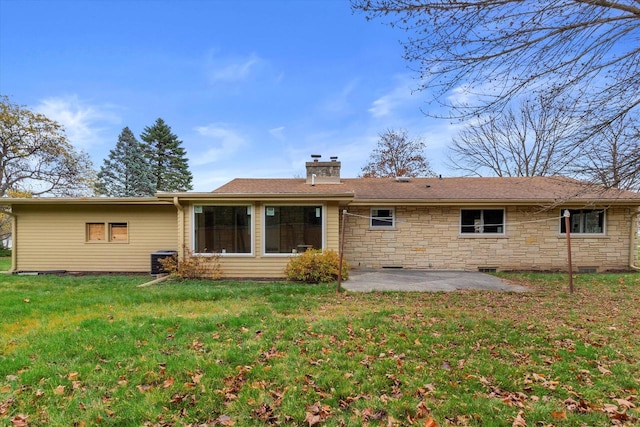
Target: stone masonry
x=429, y=238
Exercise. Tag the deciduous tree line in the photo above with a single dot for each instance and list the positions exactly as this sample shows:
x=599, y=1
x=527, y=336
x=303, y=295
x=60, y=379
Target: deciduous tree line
x=544, y=87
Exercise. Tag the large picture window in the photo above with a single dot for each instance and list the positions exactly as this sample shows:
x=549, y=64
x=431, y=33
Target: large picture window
x=583, y=221
x=291, y=229
x=482, y=221
x=222, y=229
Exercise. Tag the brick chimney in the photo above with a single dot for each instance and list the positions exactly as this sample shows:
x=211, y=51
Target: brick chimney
x=319, y=172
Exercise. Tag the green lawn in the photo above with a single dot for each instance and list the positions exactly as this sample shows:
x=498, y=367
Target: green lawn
x=5, y=263
x=99, y=350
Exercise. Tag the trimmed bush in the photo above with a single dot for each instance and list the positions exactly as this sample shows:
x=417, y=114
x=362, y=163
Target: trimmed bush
x=316, y=266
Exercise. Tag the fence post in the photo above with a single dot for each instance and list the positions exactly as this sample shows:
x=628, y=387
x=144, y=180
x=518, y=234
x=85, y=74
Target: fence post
x=344, y=219
x=567, y=227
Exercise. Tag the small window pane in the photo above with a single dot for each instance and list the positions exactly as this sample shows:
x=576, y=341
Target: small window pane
x=471, y=221
x=492, y=220
x=382, y=217
x=118, y=231
x=583, y=221
x=95, y=232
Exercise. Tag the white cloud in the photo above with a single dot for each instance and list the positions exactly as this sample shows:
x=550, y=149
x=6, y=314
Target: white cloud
x=224, y=139
x=232, y=69
x=278, y=132
x=399, y=97
x=84, y=123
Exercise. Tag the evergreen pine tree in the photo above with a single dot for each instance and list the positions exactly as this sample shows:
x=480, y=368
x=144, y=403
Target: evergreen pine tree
x=167, y=158
x=125, y=172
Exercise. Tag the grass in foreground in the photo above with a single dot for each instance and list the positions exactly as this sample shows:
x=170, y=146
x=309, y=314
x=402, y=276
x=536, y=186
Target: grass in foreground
x=99, y=350
x=5, y=263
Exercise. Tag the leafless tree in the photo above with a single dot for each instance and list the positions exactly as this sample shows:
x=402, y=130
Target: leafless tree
x=476, y=57
x=533, y=140
x=613, y=159
x=397, y=154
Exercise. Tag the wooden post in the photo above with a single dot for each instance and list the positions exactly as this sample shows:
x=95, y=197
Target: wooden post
x=567, y=227
x=344, y=219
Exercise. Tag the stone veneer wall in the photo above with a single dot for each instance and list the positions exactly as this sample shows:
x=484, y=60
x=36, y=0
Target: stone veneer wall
x=429, y=238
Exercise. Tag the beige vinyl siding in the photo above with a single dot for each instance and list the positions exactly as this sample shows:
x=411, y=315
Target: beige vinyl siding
x=54, y=237
x=257, y=265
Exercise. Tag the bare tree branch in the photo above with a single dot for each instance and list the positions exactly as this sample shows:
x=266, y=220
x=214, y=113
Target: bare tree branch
x=477, y=57
x=397, y=154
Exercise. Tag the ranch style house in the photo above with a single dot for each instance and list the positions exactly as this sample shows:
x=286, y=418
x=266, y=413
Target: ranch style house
x=257, y=225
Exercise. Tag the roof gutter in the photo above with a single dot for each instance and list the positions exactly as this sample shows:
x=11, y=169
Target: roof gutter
x=633, y=248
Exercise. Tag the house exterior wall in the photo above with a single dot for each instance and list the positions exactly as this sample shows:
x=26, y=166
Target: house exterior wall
x=55, y=237
x=429, y=238
x=258, y=264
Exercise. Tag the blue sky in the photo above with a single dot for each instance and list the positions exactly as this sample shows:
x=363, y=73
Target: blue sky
x=251, y=87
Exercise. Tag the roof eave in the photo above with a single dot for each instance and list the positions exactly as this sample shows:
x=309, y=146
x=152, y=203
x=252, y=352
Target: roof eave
x=196, y=197
x=494, y=202
x=83, y=201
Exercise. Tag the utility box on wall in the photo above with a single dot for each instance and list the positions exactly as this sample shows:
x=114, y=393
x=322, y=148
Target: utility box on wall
x=156, y=266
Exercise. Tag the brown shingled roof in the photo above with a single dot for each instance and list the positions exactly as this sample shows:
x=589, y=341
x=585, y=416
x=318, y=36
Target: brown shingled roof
x=426, y=190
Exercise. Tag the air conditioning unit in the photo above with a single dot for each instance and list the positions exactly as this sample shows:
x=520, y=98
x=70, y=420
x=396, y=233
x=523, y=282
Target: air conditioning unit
x=156, y=266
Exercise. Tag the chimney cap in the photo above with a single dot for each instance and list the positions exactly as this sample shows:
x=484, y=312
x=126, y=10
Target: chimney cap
x=334, y=158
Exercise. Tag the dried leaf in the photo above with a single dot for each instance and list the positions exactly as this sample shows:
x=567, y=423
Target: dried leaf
x=59, y=390
x=168, y=382
x=625, y=403
x=20, y=420
x=312, y=419
x=559, y=415
x=430, y=422
x=519, y=420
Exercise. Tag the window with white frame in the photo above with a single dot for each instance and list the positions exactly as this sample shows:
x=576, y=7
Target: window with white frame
x=583, y=221
x=292, y=229
x=382, y=218
x=222, y=229
x=482, y=221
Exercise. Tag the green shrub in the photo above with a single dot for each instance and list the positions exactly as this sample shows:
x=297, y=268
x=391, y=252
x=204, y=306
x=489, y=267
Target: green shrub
x=316, y=266
x=192, y=266
x=4, y=252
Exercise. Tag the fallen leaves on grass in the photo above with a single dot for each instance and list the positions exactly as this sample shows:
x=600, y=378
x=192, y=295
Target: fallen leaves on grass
x=317, y=413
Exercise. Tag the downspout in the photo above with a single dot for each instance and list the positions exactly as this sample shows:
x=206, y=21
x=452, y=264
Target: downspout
x=14, y=241
x=181, y=242
x=633, y=249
